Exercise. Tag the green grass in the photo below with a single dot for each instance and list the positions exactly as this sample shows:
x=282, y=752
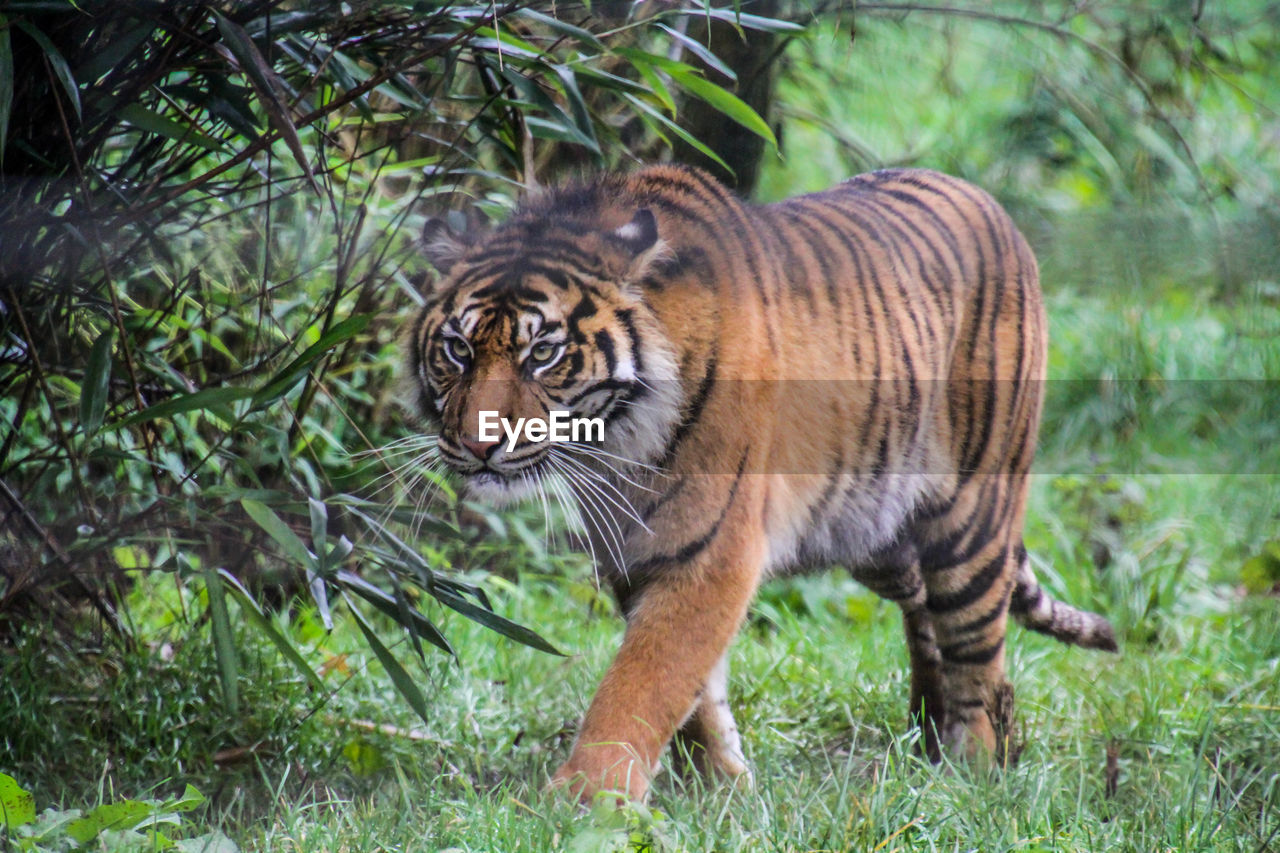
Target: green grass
x=820, y=697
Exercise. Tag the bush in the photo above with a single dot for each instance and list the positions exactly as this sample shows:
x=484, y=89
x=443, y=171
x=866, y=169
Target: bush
x=207, y=225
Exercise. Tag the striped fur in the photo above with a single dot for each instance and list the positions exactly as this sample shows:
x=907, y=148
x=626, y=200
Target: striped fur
x=849, y=377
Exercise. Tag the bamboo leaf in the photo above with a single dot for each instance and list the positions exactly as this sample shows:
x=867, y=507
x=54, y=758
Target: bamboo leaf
x=556, y=25
x=320, y=595
x=399, y=544
x=700, y=50
x=206, y=398
x=657, y=86
x=97, y=382
x=613, y=82
x=493, y=621
x=6, y=83
x=267, y=84
x=654, y=117
x=111, y=55
x=285, y=379
x=56, y=62
x=319, y=530
x=399, y=677
x=223, y=100
x=250, y=607
x=224, y=643
x=577, y=105
x=387, y=605
x=742, y=19
x=726, y=102
x=153, y=122
x=406, y=619
x=556, y=120
x=275, y=527
x=504, y=43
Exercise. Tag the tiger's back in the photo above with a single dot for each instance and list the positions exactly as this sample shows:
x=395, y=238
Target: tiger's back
x=928, y=348
x=852, y=376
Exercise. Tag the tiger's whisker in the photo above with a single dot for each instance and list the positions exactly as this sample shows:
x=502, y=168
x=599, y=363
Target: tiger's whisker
x=598, y=483
x=598, y=519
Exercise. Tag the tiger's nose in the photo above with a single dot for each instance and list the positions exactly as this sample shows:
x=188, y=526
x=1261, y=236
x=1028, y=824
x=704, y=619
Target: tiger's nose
x=481, y=450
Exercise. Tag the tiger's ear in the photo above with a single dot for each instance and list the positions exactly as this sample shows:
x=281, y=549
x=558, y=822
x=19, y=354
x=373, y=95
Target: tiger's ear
x=446, y=238
x=640, y=233
x=641, y=239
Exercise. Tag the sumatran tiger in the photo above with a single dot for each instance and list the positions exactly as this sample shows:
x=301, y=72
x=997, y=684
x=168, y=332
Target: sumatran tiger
x=851, y=377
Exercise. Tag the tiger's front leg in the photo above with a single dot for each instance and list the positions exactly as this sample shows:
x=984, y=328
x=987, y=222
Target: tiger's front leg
x=677, y=631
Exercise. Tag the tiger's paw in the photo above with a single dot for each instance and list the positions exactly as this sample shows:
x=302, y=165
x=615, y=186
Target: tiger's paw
x=984, y=737
x=609, y=768
x=729, y=766
x=715, y=761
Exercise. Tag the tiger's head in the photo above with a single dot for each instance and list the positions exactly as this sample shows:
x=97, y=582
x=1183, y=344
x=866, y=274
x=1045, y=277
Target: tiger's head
x=543, y=315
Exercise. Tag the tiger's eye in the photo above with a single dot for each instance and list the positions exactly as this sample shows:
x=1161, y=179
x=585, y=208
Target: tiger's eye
x=457, y=349
x=542, y=353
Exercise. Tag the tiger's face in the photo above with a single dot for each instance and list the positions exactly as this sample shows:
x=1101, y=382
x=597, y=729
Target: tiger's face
x=535, y=324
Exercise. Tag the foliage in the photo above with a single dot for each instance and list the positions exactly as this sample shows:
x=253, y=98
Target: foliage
x=1052, y=106
x=121, y=825
x=207, y=221
x=1261, y=572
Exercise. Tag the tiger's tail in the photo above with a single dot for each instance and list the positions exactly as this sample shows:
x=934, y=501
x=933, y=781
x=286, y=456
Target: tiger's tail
x=1033, y=607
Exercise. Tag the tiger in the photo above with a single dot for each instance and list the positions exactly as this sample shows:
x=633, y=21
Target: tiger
x=851, y=377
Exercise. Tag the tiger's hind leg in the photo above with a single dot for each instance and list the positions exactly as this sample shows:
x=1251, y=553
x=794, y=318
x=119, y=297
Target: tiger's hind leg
x=927, y=705
x=896, y=576
x=968, y=582
x=709, y=738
